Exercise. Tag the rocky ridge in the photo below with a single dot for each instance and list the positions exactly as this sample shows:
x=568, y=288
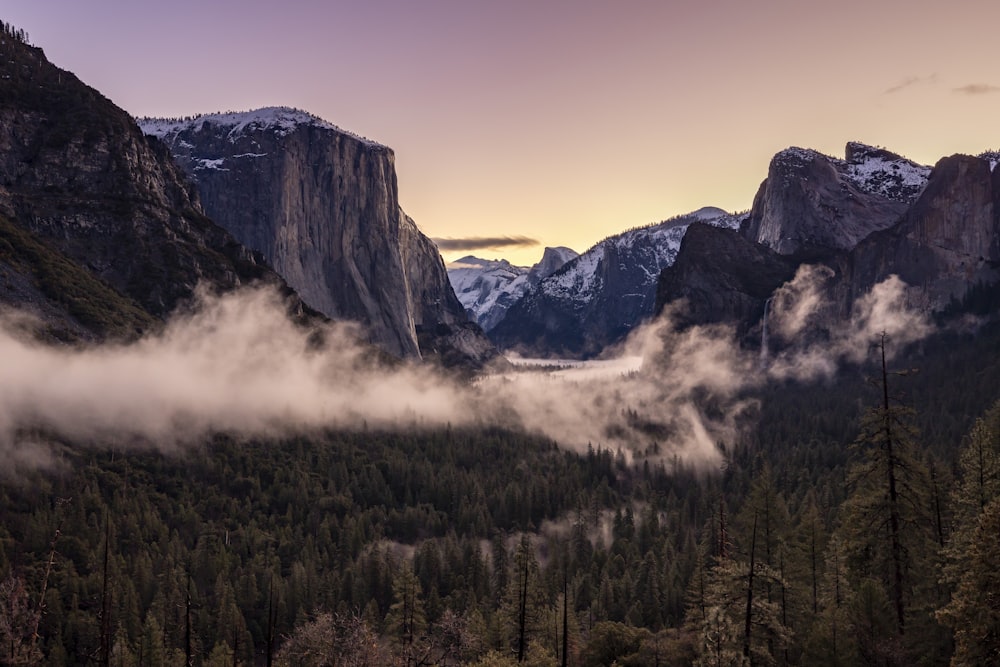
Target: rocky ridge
x=488, y=288
x=866, y=218
x=811, y=202
x=597, y=298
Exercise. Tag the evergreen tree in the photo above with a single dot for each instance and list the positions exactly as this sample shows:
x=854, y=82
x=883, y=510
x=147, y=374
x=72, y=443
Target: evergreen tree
x=972, y=553
x=885, y=523
x=406, y=620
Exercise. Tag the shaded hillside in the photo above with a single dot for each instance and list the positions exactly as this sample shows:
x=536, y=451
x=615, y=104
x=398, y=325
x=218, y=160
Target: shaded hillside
x=79, y=178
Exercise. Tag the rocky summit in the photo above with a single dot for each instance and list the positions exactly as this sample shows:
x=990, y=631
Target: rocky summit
x=811, y=202
x=321, y=205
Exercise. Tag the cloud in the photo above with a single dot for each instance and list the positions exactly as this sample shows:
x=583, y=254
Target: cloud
x=816, y=340
x=977, y=89
x=909, y=82
x=236, y=364
x=483, y=242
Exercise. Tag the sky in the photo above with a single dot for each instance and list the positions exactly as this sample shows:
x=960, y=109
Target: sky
x=533, y=123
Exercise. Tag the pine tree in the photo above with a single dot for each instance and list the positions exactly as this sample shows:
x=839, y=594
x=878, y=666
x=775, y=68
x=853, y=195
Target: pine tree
x=885, y=519
x=974, y=610
x=406, y=620
x=973, y=549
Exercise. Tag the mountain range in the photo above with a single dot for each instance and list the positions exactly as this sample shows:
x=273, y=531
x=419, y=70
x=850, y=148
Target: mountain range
x=864, y=217
x=106, y=232
x=109, y=226
x=937, y=229
x=488, y=287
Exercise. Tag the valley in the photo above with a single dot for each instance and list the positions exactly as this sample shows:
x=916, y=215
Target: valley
x=250, y=417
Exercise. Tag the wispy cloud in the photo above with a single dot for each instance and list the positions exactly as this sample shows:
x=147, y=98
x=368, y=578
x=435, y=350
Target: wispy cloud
x=480, y=242
x=236, y=364
x=977, y=89
x=909, y=82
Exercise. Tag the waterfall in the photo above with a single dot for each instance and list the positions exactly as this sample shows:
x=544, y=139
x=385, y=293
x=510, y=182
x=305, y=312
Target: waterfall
x=763, y=332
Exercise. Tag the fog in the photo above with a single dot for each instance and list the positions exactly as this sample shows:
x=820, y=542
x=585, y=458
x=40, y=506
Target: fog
x=236, y=364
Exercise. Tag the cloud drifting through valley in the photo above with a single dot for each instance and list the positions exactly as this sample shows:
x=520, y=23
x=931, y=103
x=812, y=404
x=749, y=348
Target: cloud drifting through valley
x=237, y=364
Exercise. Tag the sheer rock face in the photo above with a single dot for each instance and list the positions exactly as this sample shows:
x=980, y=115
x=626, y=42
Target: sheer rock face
x=79, y=177
x=946, y=243
x=814, y=203
x=321, y=205
x=722, y=277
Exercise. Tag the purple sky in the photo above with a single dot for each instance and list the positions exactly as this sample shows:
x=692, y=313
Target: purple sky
x=560, y=121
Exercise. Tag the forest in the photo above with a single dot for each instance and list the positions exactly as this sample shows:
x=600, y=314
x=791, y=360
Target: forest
x=856, y=523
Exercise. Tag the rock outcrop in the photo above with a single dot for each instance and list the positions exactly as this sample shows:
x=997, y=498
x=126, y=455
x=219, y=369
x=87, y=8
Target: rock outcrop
x=812, y=203
x=321, y=205
x=866, y=218
x=102, y=225
x=722, y=277
x=947, y=242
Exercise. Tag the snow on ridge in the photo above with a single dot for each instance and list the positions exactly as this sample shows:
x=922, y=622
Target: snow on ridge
x=210, y=164
x=893, y=179
x=281, y=120
x=993, y=157
x=871, y=169
x=651, y=248
x=487, y=287
x=798, y=156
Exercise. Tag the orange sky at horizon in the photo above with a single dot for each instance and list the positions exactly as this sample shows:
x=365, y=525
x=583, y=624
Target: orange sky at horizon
x=563, y=122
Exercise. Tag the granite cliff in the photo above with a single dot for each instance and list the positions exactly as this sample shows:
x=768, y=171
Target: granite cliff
x=321, y=205
x=814, y=203
x=870, y=216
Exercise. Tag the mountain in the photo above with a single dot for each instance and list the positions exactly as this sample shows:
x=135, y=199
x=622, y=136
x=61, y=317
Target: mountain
x=321, y=205
x=487, y=288
x=722, y=277
x=102, y=234
x=597, y=298
x=870, y=216
x=811, y=202
x=947, y=243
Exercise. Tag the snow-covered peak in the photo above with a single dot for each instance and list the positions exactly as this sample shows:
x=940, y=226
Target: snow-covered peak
x=794, y=156
x=871, y=169
x=280, y=120
x=993, y=157
x=488, y=287
x=644, y=251
x=878, y=171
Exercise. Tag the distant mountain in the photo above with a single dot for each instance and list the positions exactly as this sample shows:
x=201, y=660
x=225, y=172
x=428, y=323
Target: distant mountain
x=101, y=235
x=321, y=205
x=489, y=287
x=597, y=298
